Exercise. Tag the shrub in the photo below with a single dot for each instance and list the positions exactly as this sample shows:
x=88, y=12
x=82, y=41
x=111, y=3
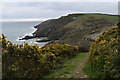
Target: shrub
x=104, y=55
x=30, y=61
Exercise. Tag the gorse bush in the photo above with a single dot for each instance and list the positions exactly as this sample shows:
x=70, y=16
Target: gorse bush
x=30, y=61
x=104, y=55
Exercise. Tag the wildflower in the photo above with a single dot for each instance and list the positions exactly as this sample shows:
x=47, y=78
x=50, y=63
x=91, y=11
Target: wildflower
x=102, y=42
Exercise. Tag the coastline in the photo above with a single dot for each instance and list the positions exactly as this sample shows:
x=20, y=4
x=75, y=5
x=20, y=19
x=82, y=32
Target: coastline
x=41, y=41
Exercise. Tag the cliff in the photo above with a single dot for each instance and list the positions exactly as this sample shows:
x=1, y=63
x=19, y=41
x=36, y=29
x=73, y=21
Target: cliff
x=75, y=29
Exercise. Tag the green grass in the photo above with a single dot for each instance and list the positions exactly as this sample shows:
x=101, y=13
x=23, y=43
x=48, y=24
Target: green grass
x=0, y=44
x=68, y=67
x=88, y=70
x=111, y=18
x=79, y=27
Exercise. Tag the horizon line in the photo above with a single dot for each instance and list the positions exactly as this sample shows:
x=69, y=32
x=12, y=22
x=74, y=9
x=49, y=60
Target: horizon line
x=44, y=19
x=25, y=19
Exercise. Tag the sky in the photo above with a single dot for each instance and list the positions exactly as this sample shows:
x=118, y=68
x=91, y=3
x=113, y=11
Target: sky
x=59, y=0
x=15, y=10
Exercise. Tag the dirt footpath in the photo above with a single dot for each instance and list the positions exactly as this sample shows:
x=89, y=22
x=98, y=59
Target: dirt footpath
x=78, y=73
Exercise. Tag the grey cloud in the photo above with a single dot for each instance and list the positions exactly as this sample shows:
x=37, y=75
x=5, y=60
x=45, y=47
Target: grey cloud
x=54, y=9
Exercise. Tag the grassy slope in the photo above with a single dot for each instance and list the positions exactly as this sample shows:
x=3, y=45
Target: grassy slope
x=87, y=20
x=85, y=26
x=110, y=18
x=62, y=28
x=68, y=67
x=76, y=29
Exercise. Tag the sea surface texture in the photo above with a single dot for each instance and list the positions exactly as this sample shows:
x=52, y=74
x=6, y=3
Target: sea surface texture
x=16, y=30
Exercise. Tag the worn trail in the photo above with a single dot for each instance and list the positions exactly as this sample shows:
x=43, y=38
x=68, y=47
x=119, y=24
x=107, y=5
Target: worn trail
x=78, y=72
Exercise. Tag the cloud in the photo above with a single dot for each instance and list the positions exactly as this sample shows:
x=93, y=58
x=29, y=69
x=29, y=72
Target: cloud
x=59, y=0
x=12, y=20
x=44, y=10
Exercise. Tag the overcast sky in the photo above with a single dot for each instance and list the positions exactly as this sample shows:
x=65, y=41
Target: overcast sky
x=27, y=11
x=59, y=0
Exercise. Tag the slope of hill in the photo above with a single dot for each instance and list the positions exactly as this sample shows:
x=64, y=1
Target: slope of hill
x=75, y=29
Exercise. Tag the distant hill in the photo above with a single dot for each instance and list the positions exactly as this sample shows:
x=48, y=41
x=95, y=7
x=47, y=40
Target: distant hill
x=75, y=29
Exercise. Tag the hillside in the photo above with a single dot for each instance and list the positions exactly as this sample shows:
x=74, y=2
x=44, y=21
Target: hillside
x=75, y=29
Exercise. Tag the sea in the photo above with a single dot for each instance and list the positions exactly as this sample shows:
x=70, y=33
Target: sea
x=16, y=30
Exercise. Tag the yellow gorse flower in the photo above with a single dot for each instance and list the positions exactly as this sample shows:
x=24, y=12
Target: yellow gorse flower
x=102, y=41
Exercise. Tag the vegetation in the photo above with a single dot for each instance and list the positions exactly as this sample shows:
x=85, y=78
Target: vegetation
x=59, y=58
x=68, y=67
x=30, y=61
x=104, y=56
x=75, y=29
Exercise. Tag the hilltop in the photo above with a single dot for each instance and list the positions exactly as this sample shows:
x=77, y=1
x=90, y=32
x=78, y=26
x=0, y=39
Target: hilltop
x=75, y=29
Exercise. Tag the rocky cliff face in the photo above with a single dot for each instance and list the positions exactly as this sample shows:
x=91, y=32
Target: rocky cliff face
x=75, y=29
x=54, y=29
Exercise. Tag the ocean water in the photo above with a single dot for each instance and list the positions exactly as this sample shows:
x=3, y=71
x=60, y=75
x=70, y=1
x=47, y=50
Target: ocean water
x=16, y=30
